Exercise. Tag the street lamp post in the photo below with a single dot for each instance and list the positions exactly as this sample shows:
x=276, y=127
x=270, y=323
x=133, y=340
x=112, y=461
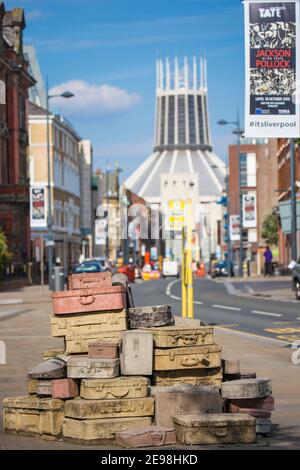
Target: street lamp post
x=238, y=131
x=293, y=200
x=50, y=244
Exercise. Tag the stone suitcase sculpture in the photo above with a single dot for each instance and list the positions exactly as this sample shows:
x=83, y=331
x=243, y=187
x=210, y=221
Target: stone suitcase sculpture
x=103, y=350
x=188, y=377
x=136, y=353
x=83, y=367
x=247, y=388
x=49, y=369
x=90, y=280
x=197, y=357
x=148, y=317
x=120, y=387
x=153, y=436
x=177, y=336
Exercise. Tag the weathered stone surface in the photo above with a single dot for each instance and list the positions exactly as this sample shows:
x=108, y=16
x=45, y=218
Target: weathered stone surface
x=49, y=369
x=247, y=388
x=197, y=357
x=185, y=335
x=83, y=367
x=33, y=416
x=79, y=344
x=263, y=426
x=136, y=353
x=122, y=408
x=266, y=403
x=120, y=387
x=185, y=399
x=190, y=377
x=64, y=388
x=90, y=280
x=197, y=429
x=53, y=353
x=149, y=317
x=89, y=325
x=250, y=411
x=32, y=386
x=103, y=350
x=94, y=431
x=230, y=366
x=44, y=388
x=153, y=436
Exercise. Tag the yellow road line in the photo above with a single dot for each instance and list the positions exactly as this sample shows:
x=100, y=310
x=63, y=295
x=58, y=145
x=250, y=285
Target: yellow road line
x=244, y=333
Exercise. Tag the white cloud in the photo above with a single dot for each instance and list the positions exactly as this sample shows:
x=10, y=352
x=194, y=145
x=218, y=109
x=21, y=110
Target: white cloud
x=94, y=100
x=37, y=15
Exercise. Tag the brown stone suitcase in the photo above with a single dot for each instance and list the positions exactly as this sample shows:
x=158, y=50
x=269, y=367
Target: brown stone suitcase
x=184, y=399
x=225, y=428
x=88, y=324
x=266, y=403
x=32, y=416
x=250, y=411
x=44, y=388
x=177, y=336
x=103, y=349
x=230, y=366
x=149, y=317
x=247, y=388
x=79, y=344
x=153, y=436
x=83, y=367
x=64, y=388
x=196, y=357
x=118, y=408
x=89, y=280
x=99, y=431
x=32, y=386
x=89, y=300
x=49, y=369
x=120, y=387
x=189, y=377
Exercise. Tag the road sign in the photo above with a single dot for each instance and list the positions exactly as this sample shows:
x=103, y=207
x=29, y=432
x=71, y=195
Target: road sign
x=176, y=215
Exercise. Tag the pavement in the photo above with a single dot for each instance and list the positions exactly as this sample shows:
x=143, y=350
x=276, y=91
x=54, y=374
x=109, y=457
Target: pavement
x=27, y=334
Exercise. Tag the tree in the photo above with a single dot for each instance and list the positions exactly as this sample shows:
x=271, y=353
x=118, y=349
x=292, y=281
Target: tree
x=270, y=229
x=5, y=255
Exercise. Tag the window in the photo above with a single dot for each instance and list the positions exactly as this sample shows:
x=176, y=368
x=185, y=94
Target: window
x=192, y=128
x=162, y=124
x=181, y=120
x=243, y=169
x=22, y=113
x=200, y=114
x=171, y=120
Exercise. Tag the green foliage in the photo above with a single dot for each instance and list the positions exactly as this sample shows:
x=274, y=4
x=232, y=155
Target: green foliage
x=5, y=255
x=270, y=230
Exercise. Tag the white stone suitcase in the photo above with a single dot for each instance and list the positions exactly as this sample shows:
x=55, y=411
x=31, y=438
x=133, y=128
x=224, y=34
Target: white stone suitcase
x=136, y=352
x=83, y=367
x=247, y=388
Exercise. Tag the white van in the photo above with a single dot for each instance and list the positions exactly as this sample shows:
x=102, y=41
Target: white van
x=170, y=268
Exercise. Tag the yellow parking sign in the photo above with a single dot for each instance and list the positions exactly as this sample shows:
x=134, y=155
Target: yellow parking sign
x=176, y=215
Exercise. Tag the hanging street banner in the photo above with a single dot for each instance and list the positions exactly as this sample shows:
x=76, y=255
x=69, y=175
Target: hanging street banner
x=249, y=211
x=38, y=217
x=235, y=228
x=272, y=48
x=100, y=231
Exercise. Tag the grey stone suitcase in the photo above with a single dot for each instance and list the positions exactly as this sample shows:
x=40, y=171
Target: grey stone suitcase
x=149, y=317
x=83, y=367
x=263, y=426
x=49, y=369
x=247, y=388
x=197, y=429
x=136, y=353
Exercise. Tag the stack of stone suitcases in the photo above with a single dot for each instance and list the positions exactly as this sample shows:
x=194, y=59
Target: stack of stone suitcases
x=135, y=377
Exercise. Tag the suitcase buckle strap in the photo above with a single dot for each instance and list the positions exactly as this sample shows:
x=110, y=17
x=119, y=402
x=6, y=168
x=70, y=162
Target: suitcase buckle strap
x=120, y=394
x=190, y=362
x=87, y=299
x=221, y=431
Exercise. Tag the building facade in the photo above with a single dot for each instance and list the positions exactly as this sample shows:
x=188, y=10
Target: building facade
x=183, y=155
x=65, y=169
x=259, y=184
x=14, y=181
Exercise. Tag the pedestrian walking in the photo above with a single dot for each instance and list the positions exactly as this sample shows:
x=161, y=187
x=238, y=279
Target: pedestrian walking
x=268, y=262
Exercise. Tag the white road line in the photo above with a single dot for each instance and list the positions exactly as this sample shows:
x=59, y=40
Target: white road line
x=224, y=307
x=298, y=318
x=170, y=285
x=258, y=312
x=197, y=302
x=174, y=297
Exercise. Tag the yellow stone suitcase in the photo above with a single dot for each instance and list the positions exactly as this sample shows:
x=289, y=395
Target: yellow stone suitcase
x=52, y=353
x=94, y=431
x=120, y=387
x=121, y=408
x=185, y=335
x=78, y=344
x=32, y=386
x=197, y=357
x=33, y=416
x=77, y=324
x=188, y=377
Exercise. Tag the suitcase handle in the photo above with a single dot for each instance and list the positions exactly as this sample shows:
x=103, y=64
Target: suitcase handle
x=190, y=362
x=221, y=431
x=86, y=300
x=121, y=394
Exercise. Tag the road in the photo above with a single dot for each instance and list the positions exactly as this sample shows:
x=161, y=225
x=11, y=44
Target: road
x=213, y=304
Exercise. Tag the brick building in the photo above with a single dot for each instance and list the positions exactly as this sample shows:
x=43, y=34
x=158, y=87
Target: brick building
x=14, y=184
x=284, y=195
x=259, y=178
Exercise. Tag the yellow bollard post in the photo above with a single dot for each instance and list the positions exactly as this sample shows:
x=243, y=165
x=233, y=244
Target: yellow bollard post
x=183, y=279
x=189, y=261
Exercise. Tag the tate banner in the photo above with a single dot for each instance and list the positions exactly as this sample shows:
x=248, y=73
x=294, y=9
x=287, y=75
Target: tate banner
x=272, y=49
x=38, y=207
x=249, y=211
x=234, y=228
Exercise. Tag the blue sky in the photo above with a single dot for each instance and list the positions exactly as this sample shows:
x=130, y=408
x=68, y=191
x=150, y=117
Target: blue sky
x=106, y=51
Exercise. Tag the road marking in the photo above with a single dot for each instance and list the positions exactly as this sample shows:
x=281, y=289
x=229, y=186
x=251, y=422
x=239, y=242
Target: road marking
x=197, y=302
x=298, y=318
x=252, y=335
x=224, y=307
x=258, y=312
x=170, y=285
x=174, y=297
x=11, y=301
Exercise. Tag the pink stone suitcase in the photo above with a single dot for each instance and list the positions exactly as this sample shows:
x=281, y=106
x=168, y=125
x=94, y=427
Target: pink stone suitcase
x=267, y=403
x=250, y=411
x=64, y=388
x=153, y=436
x=90, y=280
x=103, y=350
x=89, y=300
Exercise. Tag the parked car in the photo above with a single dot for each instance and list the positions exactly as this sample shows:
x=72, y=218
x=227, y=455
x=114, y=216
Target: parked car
x=89, y=267
x=219, y=269
x=296, y=279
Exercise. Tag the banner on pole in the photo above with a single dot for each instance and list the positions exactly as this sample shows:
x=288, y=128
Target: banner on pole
x=235, y=228
x=176, y=219
x=38, y=217
x=249, y=211
x=100, y=231
x=272, y=107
